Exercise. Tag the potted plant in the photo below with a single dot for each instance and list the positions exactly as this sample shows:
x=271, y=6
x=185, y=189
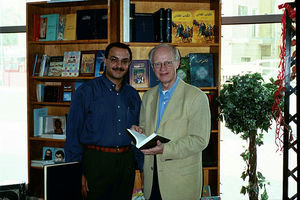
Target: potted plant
x=245, y=104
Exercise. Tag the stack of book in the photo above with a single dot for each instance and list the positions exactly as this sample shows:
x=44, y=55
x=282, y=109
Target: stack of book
x=82, y=25
x=165, y=25
x=71, y=64
x=195, y=69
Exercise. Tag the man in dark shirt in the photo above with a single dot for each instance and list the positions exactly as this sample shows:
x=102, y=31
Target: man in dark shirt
x=100, y=112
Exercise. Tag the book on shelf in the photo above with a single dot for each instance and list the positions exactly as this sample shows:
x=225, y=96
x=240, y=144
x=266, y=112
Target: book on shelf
x=49, y=27
x=182, y=25
x=61, y=27
x=71, y=63
x=48, y=153
x=99, y=65
x=126, y=21
x=144, y=28
x=51, y=93
x=51, y=155
x=168, y=26
x=141, y=141
x=44, y=65
x=36, y=66
x=67, y=90
x=54, y=127
x=206, y=192
x=87, y=63
x=91, y=24
x=55, y=66
x=153, y=80
x=41, y=163
x=131, y=27
x=40, y=92
x=36, y=27
x=160, y=25
x=201, y=69
x=183, y=71
x=139, y=74
x=62, y=181
x=43, y=27
x=59, y=155
x=203, y=26
x=70, y=26
x=37, y=114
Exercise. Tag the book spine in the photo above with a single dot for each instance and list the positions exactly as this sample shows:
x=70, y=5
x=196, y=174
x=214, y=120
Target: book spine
x=35, y=63
x=132, y=23
x=36, y=27
x=126, y=19
x=168, y=26
x=159, y=25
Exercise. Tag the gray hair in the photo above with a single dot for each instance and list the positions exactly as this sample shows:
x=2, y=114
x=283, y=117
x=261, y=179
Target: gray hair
x=173, y=49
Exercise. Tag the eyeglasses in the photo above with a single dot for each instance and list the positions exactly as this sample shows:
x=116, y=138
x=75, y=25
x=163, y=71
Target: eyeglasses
x=168, y=64
x=115, y=60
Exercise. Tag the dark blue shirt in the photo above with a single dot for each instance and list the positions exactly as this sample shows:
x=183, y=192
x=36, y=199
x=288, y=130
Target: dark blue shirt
x=99, y=115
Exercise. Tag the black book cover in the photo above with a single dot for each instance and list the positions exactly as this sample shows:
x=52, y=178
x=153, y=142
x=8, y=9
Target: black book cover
x=91, y=24
x=51, y=93
x=132, y=23
x=168, y=26
x=160, y=21
x=144, y=27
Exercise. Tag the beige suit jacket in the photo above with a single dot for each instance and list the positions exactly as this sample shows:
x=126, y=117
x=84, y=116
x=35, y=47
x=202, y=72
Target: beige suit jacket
x=186, y=121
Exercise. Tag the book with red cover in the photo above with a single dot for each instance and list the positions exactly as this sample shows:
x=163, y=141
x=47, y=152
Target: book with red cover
x=36, y=27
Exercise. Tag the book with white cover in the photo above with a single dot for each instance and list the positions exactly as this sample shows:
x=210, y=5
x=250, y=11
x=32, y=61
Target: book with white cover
x=141, y=141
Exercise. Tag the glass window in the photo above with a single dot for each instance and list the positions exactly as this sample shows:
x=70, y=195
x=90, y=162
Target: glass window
x=13, y=109
x=244, y=52
x=251, y=7
x=12, y=12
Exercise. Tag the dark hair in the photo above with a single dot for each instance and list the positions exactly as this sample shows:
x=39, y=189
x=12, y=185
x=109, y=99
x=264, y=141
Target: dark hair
x=58, y=120
x=60, y=152
x=119, y=45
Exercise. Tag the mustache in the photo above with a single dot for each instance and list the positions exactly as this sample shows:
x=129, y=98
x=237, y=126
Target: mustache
x=118, y=69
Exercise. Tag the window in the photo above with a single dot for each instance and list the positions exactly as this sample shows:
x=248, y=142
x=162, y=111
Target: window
x=13, y=93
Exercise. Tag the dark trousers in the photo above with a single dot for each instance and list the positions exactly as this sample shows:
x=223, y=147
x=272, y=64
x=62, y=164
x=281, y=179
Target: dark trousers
x=155, y=192
x=110, y=176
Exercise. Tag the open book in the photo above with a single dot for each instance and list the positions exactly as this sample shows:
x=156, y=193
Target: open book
x=141, y=141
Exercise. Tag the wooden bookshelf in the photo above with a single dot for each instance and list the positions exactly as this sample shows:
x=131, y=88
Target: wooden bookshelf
x=57, y=48
x=140, y=50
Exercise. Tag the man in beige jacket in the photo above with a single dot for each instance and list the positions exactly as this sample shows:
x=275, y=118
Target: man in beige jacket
x=180, y=112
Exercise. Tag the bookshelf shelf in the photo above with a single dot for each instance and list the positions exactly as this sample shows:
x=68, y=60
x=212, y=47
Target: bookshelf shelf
x=47, y=139
x=67, y=104
x=48, y=78
x=99, y=41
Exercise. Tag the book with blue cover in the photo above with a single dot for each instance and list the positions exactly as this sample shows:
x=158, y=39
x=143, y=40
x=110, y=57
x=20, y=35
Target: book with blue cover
x=153, y=80
x=99, y=66
x=201, y=69
x=49, y=27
